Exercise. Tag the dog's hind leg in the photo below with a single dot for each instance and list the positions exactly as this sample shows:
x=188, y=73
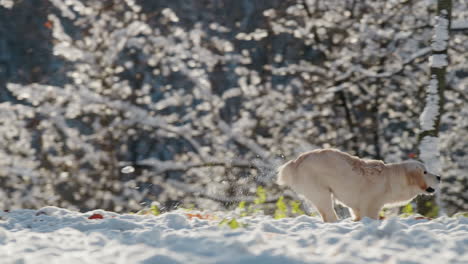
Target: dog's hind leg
x=324, y=204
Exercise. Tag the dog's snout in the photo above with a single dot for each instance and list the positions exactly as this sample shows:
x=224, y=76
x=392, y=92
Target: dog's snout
x=430, y=190
x=438, y=178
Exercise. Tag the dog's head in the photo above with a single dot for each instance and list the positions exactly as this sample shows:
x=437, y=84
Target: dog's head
x=418, y=176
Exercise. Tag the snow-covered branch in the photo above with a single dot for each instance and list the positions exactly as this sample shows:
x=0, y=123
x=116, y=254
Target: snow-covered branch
x=459, y=25
x=165, y=166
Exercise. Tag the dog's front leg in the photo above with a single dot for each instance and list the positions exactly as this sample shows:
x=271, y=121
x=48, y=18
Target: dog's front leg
x=372, y=211
x=325, y=207
x=324, y=204
x=356, y=214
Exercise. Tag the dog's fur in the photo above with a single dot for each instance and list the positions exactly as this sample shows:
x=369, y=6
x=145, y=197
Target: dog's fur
x=365, y=186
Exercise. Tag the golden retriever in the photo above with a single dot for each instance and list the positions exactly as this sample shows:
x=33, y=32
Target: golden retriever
x=365, y=186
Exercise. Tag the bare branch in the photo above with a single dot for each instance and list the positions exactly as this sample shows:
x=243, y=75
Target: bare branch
x=419, y=54
x=165, y=166
x=459, y=25
x=219, y=198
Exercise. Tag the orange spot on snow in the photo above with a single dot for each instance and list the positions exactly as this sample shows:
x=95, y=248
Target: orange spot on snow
x=199, y=216
x=96, y=216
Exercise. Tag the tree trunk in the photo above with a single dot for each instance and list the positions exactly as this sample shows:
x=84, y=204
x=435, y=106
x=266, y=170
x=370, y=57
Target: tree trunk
x=434, y=103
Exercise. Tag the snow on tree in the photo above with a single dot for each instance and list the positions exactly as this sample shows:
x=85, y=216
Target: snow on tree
x=135, y=94
x=434, y=103
x=6, y=3
x=198, y=107
x=430, y=117
x=453, y=128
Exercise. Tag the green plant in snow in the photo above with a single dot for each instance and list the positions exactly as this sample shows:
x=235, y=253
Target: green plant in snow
x=155, y=210
x=259, y=204
x=231, y=223
x=188, y=207
x=460, y=214
x=296, y=208
x=261, y=195
x=434, y=209
x=281, y=208
x=252, y=209
x=242, y=210
x=381, y=214
x=408, y=209
x=314, y=214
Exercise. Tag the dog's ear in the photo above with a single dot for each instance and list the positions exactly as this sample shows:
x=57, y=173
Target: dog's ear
x=416, y=178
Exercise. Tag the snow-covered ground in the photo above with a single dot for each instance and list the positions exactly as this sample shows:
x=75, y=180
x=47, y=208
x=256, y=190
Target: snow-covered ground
x=53, y=235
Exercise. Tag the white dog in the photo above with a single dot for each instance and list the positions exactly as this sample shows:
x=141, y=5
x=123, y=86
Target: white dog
x=364, y=186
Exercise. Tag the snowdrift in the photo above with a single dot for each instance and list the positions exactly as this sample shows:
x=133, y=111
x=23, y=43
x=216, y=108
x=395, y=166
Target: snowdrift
x=53, y=235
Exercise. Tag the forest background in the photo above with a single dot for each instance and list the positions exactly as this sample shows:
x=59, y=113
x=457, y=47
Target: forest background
x=119, y=104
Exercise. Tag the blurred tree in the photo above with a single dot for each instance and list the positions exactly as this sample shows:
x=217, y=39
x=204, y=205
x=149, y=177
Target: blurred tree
x=435, y=99
x=198, y=101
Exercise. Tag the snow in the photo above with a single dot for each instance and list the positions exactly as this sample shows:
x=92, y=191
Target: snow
x=441, y=34
x=431, y=110
x=459, y=24
x=438, y=61
x=6, y=3
x=430, y=154
x=66, y=12
x=54, y=235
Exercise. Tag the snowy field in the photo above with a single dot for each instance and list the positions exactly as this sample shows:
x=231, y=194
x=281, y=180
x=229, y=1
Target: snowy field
x=54, y=235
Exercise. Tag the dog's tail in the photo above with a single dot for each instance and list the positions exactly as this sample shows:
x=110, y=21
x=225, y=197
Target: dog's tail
x=286, y=173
